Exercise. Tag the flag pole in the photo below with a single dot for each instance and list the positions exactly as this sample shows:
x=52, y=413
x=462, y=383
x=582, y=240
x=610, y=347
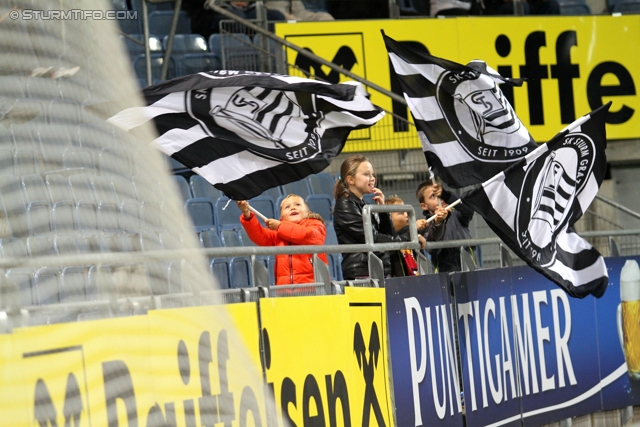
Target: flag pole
x=252, y=209
x=447, y=208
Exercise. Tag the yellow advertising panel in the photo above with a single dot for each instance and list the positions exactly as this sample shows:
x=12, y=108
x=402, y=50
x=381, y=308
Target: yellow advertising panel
x=327, y=362
x=170, y=367
x=573, y=65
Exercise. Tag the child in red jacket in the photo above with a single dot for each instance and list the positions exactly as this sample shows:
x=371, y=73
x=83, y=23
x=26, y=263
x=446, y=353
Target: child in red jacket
x=297, y=226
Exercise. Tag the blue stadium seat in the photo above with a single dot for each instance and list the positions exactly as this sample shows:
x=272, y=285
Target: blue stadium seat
x=228, y=218
x=12, y=248
x=140, y=67
x=274, y=193
x=219, y=268
x=73, y=284
x=61, y=111
x=34, y=188
x=186, y=43
x=322, y=183
x=23, y=279
x=115, y=161
x=192, y=63
x=38, y=217
x=331, y=238
x=160, y=22
x=78, y=158
x=368, y=198
x=201, y=212
x=13, y=206
x=210, y=239
x=40, y=246
x=200, y=187
x=130, y=216
x=264, y=205
x=300, y=188
x=240, y=272
x=230, y=239
x=151, y=7
x=135, y=47
x=322, y=205
x=174, y=165
x=86, y=216
x=129, y=25
x=46, y=286
x=183, y=187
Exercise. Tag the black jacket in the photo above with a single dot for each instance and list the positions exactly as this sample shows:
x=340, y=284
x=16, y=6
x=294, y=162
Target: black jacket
x=456, y=227
x=432, y=233
x=347, y=221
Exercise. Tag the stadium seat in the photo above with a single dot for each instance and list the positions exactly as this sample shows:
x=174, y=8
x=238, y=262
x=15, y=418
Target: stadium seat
x=160, y=22
x=331, y=238
x=300, y=188
x=14, y=206
x=200, y=210
x=40, y=246
x=81, y=187
x=240, y=272
x=86, y=216
x=33, y=107
x=108, y=217
x=92, y=138
x=39, y=217
x=134, y=44
x=115, y=161
x=6, y=161
x=102, y=189
x=129, y=25
x=274, y=193
x=264, y=205
x=65, y=244
x=228, y=218
x=174, y=277
x=25, y=162
x=151, y=7
x=368, y=198
x=63, y=112
x=186, y=43
x=73, y=284
x=124, y=188
x=322, y=183
x=75, y=91
x=13, y=86
x=34, y=188
x=175, y=166
x=322, y=205
x=12, y=248
x=140, y=67
x=23, y=279
x=183, y=187
x=200, y=187
x=192, y=63
x=210, y=239
x=230, y=239
x=219, y=268
x=46, y=286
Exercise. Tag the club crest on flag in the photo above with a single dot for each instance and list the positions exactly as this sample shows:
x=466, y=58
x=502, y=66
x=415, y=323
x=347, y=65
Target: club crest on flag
x=548, y=193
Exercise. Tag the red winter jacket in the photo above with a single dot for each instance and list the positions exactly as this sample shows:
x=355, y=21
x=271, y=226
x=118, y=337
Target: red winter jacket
x=290, y=269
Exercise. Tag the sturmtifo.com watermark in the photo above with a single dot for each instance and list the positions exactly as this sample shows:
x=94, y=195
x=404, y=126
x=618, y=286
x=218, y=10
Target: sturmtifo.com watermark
x=72, y=14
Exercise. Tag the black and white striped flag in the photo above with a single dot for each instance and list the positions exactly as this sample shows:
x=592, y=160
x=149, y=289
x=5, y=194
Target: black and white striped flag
x=533, y=205
x=246, y=132
x=468, y=130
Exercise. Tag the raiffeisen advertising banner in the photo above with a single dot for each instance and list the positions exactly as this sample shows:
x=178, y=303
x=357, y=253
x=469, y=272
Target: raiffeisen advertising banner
x=423, y=354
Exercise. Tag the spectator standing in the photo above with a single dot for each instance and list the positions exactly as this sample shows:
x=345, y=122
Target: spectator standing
x=297, y=226
x=357, y=179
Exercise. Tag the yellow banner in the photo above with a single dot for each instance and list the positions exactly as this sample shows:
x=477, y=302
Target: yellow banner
x=573, y=65
x=328, y=360
x=170, y=367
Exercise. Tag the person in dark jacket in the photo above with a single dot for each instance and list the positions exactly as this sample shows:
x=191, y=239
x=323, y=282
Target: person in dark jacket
x=456, y=227
x=431, y=232
x=356, y=180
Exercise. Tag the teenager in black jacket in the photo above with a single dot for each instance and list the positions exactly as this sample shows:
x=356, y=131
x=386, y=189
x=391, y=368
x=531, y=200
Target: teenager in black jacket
x=356, y=180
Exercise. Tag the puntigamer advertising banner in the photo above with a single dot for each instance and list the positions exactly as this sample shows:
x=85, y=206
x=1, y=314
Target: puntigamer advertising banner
x=573, y=64
x=529, y=353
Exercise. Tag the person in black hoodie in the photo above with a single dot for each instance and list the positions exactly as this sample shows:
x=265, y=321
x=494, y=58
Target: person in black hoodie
x=456, y=227
x=403, y=262
x=356, y=180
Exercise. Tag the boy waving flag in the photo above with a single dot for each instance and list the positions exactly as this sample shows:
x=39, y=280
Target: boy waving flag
x=468, y=130
x=533, y=205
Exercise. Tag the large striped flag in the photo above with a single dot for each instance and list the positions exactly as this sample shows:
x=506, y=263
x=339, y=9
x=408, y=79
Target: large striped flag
x=533, y=205
x=468, y=130
x=246, y=132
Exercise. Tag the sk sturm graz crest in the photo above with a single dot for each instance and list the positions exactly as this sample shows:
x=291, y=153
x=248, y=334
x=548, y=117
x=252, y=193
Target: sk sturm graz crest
x=533, y=205
x=468, y=129
x=268, y=123
x=549, y=191
x=481, y=117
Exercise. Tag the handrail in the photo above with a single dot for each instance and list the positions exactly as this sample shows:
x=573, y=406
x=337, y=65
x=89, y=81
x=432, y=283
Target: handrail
x=618, y=206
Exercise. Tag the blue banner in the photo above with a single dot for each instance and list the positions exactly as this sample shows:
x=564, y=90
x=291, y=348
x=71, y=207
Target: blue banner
x=423, y=351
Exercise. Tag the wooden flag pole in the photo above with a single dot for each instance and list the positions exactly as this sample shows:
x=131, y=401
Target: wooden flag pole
x=447, y=208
